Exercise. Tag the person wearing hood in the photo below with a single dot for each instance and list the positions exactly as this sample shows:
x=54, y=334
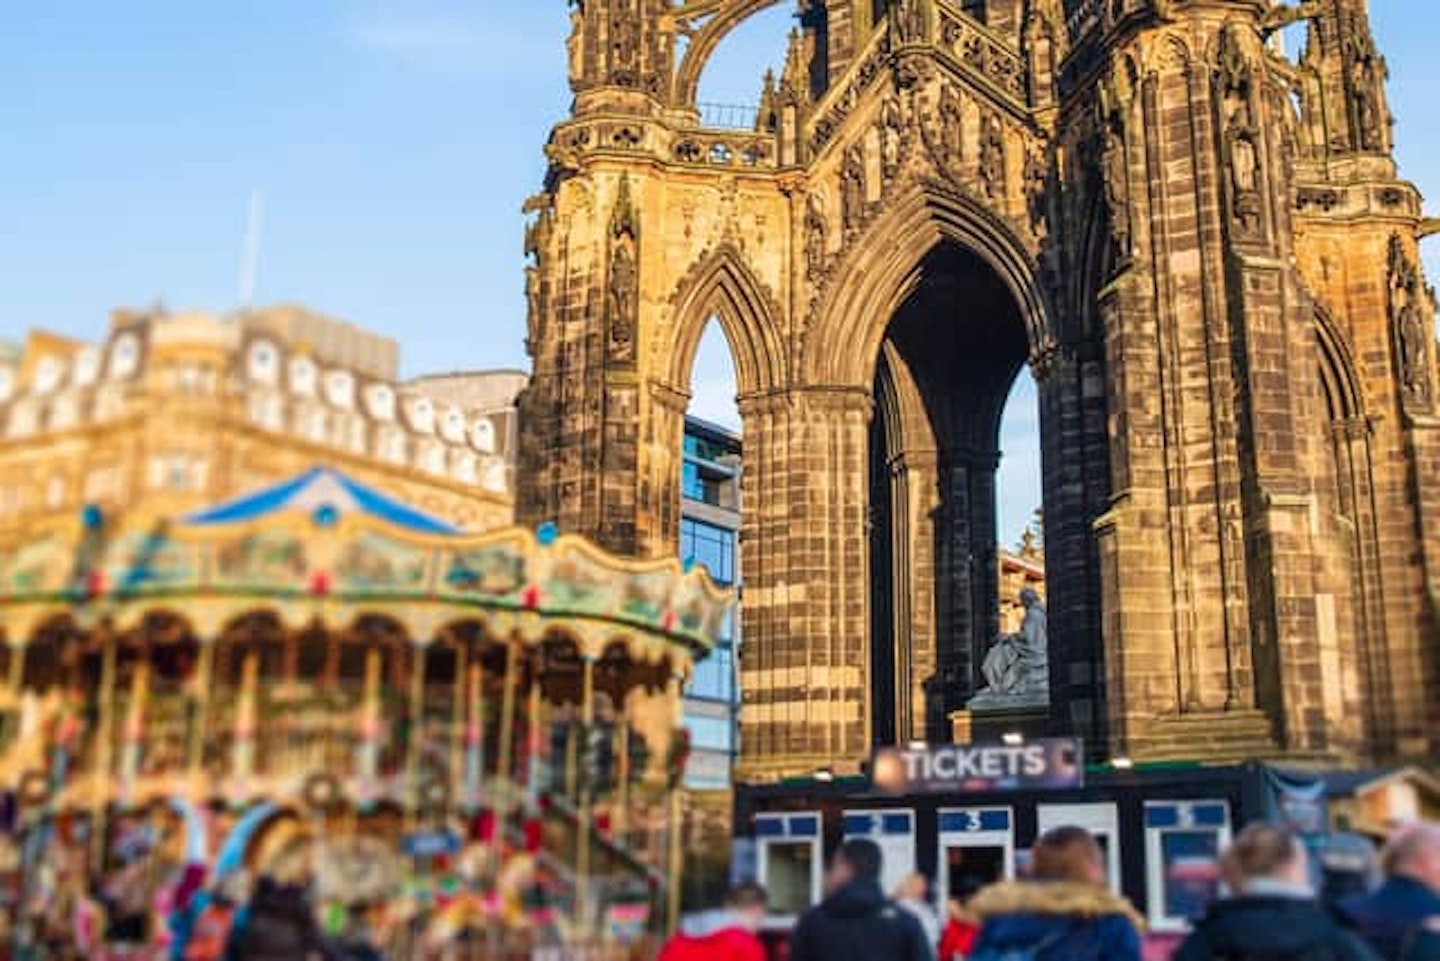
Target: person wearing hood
x=728, y=934
x=856, y=922
x=1398, y=918
x=1272, y=912
x=1066, y=913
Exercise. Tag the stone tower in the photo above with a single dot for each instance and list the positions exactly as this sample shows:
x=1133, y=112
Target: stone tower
x=1201, y=250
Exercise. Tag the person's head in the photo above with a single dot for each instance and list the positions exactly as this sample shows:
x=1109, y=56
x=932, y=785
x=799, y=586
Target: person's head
x=858, y=859
x=1029, y=598
x=747, y=902
x=1068, y=854
x=1268, y=852
x=1414, y=852
x=912, y=888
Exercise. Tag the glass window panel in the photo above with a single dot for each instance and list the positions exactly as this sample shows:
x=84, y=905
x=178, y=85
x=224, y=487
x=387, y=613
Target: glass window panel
x=711, y=733
x=692, y=485
x=711, y=546
x=715, y=678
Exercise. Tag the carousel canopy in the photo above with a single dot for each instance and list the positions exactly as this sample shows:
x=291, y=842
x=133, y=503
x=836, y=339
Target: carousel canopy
x=323, y=548
x=321, y=489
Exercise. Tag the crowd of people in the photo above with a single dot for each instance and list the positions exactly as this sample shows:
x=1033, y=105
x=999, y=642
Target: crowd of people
x=1269, y=910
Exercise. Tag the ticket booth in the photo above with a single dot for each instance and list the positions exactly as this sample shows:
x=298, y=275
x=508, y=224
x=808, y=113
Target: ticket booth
x=976, y=846
x=894, y=832
x=1183, y=842
x=789, y=861
x=1101, y=819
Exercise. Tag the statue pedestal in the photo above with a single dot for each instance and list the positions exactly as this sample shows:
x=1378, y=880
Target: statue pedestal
x=989, y=717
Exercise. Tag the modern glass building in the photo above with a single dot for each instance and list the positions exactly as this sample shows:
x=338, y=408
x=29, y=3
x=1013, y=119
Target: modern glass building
x=710, y=535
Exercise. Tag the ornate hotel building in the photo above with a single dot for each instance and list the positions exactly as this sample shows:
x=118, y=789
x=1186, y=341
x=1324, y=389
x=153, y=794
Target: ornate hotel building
x=173, y=411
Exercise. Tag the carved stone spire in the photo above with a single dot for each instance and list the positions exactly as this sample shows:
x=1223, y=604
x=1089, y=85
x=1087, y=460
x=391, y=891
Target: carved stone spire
x=795, y=78
x=624, y=44
x=1342, y=50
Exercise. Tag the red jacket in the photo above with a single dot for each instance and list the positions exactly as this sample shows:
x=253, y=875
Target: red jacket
x=957, y=940
x=716, y=943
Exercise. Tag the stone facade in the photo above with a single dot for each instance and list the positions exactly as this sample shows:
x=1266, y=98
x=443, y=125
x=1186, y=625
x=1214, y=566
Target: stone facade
x=1200, y=248
x=175, y=412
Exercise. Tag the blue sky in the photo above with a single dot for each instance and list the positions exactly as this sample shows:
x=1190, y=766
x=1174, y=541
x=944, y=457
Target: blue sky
x=393, y=143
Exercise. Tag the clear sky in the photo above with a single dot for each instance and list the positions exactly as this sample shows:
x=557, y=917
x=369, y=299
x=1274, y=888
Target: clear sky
x=393, y=142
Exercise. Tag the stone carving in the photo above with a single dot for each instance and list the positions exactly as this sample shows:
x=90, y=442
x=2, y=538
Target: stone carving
x=1407, y=314
x=622, y=298
x=1368, y=74
x=532, y=306
x=891, y=131
x=1117, y=189
x=1241, y=135
x=575, y=44
x=622, y=291
x=852, y=188
x=911, y=21
x=817, y=232
x=952, y=132
x=992, y=157
x=624, y=43
x=1036, y=189
x=1017, y=667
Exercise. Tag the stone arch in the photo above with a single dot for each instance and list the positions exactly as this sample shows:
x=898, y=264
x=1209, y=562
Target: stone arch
x=1338, y=378
x=722, y=286
x=857, y=309
x=1351, y=564
x=725, y=17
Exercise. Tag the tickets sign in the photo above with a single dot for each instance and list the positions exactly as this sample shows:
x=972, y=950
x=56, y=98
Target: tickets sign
x=974, y=768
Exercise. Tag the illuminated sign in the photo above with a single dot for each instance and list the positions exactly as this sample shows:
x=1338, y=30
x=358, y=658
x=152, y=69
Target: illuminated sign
x=961, y=768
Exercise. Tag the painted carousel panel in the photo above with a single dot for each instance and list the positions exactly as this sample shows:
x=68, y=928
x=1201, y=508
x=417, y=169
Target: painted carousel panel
x=373, y=563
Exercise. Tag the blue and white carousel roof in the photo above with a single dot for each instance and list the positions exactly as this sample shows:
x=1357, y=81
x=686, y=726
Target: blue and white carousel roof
x=324, y=494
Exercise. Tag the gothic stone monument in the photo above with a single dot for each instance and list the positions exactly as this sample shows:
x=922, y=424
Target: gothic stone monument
x=1200, y=248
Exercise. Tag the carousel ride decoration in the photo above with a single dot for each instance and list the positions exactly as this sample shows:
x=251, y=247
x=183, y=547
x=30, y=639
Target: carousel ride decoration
x=483, y=728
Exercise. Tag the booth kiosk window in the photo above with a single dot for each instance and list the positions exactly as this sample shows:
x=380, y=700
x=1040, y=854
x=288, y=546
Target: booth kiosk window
x=788, y=861
x=894, y=832
x=1102, y=820
x=1183, y=842
x=976, y=847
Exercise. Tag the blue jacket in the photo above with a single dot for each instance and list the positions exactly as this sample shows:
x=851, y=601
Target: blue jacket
x=1390, y=917
x=1066, y=922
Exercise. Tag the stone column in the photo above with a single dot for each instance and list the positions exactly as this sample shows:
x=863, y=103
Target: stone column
x=805, y=666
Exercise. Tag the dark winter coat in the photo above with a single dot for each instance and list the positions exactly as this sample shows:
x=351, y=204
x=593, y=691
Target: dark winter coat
x=857, y=923
x=1272, y=928
x=1391, y=917
x=280, y=926
x=1057, y=921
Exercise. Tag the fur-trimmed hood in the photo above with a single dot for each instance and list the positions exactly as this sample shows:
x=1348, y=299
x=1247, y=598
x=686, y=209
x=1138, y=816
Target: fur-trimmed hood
x=1052, y=898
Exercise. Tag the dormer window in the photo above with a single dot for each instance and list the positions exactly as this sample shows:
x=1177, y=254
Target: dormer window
x=303, y=376
x=87, y=367
x=380, y=402
x=125, y=356
x=452, y=428
x=48, y=373
x=482, y=436
x=264, y=362
x=340, y=389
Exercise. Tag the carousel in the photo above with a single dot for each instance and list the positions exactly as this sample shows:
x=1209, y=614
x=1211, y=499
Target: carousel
x=481, y=733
